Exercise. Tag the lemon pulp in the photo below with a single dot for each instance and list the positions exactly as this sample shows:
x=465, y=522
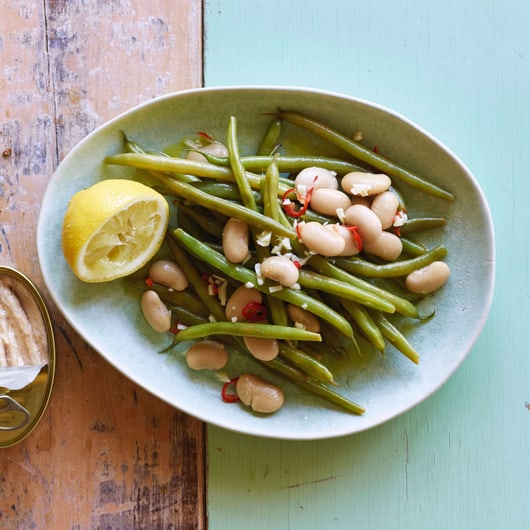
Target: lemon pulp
x=112, y=229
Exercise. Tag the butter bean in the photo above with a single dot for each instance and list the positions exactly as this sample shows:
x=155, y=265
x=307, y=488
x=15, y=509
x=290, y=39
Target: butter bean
x=214, y=148
x=385, y=206
x=206, y=355
x=365, y=184
x=258, y=394
x=280, y=269
x=327, y=201
x=238, y=300
x=322, y=239
x=315, y=177
x=351, y=245
x=429, y=278
x=367, y=223
x=387, y=246
x=303, y=318
x=155, y=312
x=235, y=240
x=169, y=274
x=262, y=348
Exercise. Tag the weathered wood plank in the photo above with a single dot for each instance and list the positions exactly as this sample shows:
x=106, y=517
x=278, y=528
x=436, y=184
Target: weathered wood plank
x=107, y=454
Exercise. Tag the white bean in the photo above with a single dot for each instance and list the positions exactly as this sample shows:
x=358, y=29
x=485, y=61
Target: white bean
x=315, y=177
x=169, y=274
x=302, y=318
x=367, y=223
x=387, y=246
x=365, y=184
x=385, y=206
x=321, y=239
x=280, y=269
x=215, y=148
x=258, y=394
x=207, y=355
x=327, y=201
x=155, y=311
x=351, y=245
x=235, y=240
x=429, y=278
x=238, y=300
x=262, y=348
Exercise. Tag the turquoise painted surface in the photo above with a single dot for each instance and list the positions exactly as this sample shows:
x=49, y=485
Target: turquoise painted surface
x=461, y=459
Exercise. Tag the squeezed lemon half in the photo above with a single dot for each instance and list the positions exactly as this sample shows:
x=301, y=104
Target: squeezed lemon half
x=112, y=229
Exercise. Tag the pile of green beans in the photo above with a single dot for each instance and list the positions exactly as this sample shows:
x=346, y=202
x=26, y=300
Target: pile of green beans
x=343, y=292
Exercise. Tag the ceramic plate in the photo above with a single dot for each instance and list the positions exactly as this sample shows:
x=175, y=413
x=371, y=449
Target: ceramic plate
x=108, y=317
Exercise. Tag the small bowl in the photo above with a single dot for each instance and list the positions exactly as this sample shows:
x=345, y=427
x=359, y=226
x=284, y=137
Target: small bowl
x=108, y=316
x=23, y=405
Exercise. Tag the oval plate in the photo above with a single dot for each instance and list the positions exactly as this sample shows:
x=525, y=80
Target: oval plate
x=26, y=406
x=107, y=316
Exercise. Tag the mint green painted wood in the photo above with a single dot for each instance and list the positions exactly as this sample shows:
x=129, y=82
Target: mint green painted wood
x=461, y=459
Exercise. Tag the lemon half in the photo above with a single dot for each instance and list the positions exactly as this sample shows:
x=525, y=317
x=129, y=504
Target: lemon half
x=112, y=229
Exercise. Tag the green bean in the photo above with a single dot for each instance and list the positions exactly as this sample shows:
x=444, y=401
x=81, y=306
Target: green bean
x=246, y=276
x=413, y=248
x=315, y=387
x=184, y=315
x=356, y=265
x=133, y=147
x=364, y=154
x=206, y=222
x=366, y=324
x=271, y=207
x=247, y=329
x=276, y=306
x=306, y=363
x=395, y=337
x=224, y=190
x=238, y=170
x=401, y=305
x=164, y=164
x=288, y=163
x=171, y=165
x=313, y=280
x=271, y=138
x=422, y=223
x=228, y=208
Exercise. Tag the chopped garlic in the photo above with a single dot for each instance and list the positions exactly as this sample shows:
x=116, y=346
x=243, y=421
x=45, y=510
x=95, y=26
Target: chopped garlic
x=275, y=288
x=361, y=189
x=222, y=293
x=257, y=269
x=401, y=218
x=264, y=238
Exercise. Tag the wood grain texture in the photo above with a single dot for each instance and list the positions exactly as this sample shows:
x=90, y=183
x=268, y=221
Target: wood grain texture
x=106, y=454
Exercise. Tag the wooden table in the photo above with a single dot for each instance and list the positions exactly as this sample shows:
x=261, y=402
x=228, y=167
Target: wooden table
x=107, y=454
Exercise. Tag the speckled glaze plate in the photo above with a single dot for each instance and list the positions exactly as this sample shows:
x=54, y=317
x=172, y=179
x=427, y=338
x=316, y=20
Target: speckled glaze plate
x=108, y=317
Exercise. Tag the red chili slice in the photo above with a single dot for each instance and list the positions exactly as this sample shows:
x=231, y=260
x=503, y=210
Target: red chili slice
x=254, y=312
x=291, y=207
x=355, y=232
x=228, y=392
